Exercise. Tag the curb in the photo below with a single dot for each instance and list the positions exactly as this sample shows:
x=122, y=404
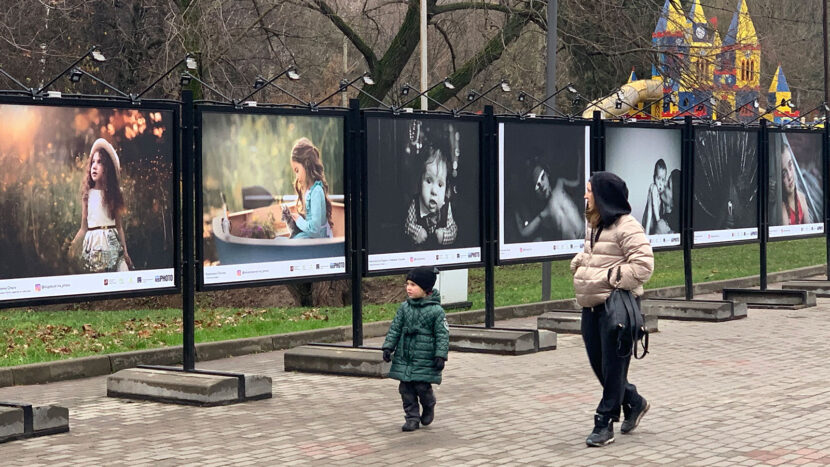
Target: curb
x=98, y=365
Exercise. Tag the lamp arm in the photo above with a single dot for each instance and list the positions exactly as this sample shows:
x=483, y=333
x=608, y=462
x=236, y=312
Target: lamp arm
x=45, y=86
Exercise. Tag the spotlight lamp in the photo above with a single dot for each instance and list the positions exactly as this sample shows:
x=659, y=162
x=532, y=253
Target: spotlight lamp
x=94, y=52
x=75, y=75
x=471, y=96
x=345, y=84
x=184, y=80
x=260, y=83
x=408, y=87
x=189, y=62
x=505, y=87
x=522, y=96
x=474, y=96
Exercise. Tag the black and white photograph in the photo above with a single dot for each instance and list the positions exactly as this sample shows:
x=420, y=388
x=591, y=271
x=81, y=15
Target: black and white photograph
x=795, y=184
x=725, y=192
x=423, y=192
x=648, y=160
x=542, y=171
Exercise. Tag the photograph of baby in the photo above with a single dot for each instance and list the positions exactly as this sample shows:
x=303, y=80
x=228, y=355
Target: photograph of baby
x=542, y=179
x=423, y=187
x=648, y=160
x=725, y=192
x=85, y=190
x=796, y=203
x=272, y=195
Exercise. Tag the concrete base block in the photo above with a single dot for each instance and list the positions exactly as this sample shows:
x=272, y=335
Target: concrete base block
x=695, y=310
x=50, y=419
x=11, y=423
x=784, y=299
x=191, y=388
x=347, y=361
x=570, y=322
x=820, y=287
x=547, y=339
x=495, y=341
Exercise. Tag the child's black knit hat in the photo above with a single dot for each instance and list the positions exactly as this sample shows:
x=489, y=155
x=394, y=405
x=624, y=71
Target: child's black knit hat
x=423, y=276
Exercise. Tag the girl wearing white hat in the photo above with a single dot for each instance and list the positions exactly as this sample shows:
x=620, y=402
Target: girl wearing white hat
x=104, y=246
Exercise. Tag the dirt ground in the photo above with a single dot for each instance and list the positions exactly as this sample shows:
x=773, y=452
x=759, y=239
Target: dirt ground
x=376, y=290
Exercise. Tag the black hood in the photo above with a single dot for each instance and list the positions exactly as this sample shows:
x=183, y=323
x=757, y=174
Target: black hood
x=610, y=197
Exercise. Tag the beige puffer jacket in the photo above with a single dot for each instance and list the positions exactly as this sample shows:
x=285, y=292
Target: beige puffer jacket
x=622, y=248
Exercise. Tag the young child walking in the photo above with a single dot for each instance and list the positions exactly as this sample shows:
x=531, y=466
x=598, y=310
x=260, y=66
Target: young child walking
x=104, y=246
x=420, y=339
x=313, y=218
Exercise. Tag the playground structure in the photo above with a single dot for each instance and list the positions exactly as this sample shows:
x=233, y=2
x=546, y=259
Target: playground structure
x=701, y=75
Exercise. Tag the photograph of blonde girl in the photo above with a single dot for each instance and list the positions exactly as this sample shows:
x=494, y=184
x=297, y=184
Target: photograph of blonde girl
x=85, y=190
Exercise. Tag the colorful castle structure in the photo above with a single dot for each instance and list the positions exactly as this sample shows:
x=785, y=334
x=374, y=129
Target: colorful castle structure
x=699, y=74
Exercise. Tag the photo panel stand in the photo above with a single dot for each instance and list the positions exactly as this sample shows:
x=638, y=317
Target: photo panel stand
x=821, y=287
x=489, y=338
x=689, y=308
x=763, y=297
x=340, y=359
x=187, y=385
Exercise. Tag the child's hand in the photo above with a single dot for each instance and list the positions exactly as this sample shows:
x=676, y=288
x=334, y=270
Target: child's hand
x=420, y=235
x=387, y=355
x=438, y=363
x=439, y=234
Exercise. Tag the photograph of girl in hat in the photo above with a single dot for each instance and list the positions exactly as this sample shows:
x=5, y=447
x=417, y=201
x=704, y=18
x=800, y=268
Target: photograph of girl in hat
x=104, y=247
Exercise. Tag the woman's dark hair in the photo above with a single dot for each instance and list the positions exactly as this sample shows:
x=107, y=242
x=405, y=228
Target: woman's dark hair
x=113, y=199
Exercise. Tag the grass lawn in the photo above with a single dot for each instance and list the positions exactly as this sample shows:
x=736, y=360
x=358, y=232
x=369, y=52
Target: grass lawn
x=37, y=336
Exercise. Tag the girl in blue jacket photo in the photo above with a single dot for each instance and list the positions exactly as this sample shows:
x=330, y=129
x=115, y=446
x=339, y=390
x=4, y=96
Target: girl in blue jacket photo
x=419, y=337
x=313, y=217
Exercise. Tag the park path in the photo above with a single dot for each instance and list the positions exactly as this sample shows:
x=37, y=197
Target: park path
x=749, y=392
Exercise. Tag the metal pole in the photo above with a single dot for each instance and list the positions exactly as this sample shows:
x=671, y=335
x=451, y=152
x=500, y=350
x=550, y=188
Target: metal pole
x=763, y=188
x=488, y=175
x=826, y=134
x=345, y=67
x=424, y=77
x=188, y=262
x=550, y=88
x=355, y=127
x=687, y=174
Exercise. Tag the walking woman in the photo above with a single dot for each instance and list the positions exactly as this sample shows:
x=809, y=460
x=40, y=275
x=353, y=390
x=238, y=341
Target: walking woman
x=617, y=255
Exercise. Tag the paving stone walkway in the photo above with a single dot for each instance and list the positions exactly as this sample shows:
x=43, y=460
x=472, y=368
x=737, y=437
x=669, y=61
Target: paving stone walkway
x=749, y=392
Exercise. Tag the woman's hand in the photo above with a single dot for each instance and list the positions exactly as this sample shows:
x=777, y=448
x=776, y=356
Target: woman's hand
x=128, y=260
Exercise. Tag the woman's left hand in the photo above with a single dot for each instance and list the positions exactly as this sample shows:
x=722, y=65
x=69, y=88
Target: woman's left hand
x=128, y=261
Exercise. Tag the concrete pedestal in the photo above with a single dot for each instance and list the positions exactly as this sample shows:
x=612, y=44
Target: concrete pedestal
x=19, y=421
x=782, y=299
x=694, y=310
x=820, y=287
x=189, y=388
x=337, y=360
x=500, y=341
x=570, y=322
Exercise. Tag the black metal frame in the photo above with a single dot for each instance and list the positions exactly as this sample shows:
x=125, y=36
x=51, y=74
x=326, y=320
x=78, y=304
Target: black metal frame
x=815, y=131
x=694, y=128
x=665, y=125
x=495, y=211
x=348, y=157
x=108, y=102
x=373, y=113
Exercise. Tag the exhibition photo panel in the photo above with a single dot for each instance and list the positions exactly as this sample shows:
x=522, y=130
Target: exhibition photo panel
x=423, y=192
x=88, y=200
x=796, y=199
x=725, y=191
x=649, y=161
x=542, y=171
x=272, y=196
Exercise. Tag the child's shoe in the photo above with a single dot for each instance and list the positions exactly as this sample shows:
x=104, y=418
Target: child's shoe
x=410, y=425
x=428, y=414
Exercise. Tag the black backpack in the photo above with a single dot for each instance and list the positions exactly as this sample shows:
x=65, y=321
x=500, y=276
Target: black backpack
x=631, y=329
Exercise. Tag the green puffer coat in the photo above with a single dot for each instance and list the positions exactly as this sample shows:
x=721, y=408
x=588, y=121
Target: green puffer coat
x=418, y=334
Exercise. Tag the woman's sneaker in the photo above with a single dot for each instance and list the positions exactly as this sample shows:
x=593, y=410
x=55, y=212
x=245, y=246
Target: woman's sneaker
x=603, y=433
x=634, y=416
